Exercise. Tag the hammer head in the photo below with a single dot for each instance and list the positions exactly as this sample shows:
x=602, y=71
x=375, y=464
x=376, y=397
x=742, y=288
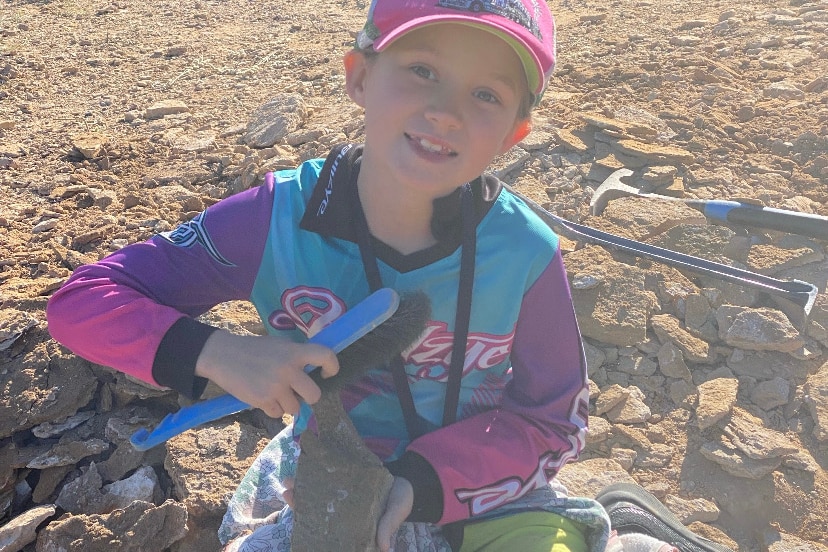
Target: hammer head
x=611, y=188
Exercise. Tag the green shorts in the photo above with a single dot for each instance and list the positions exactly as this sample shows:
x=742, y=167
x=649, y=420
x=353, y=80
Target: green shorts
x=525, y=532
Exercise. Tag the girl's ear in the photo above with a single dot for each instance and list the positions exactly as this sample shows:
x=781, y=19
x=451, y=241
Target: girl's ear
x=356, y=65
x=521, y=131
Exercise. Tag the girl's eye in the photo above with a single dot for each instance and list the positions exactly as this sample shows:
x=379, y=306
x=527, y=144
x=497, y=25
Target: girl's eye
x=486, y=96
x=422, y=72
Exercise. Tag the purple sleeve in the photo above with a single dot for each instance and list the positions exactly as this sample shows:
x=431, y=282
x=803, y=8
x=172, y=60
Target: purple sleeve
x=495, y=457
x=119, y=311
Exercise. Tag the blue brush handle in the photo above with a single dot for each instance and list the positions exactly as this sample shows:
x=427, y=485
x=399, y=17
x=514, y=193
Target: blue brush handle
x=734, y=212
x=353, y=324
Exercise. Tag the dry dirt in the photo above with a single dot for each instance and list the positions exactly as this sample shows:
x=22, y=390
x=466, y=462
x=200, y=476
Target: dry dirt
x=87, y=152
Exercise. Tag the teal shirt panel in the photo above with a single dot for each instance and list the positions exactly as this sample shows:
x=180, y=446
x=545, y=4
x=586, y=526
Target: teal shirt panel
x=325, y=276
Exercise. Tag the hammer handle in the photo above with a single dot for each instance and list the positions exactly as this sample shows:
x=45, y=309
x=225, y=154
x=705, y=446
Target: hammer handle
x=744, y=214
x=350, y=326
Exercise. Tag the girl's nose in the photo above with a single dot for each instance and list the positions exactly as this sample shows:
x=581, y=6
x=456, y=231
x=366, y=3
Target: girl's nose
x=444, y=111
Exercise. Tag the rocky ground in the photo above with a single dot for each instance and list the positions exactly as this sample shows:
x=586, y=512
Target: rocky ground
x=121, y=119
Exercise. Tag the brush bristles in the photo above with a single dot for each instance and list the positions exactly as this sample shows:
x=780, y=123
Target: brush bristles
x=379, y=346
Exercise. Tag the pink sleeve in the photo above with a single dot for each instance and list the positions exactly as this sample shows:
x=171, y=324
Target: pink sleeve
x=115, y=312
x=498, y=456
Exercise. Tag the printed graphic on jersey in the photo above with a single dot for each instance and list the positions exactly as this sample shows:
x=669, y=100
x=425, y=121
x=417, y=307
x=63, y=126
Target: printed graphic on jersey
x=193, y=232
x=329, y=187
x=488, y=395
x=307, y=308
x=510, y=9
x=486, y=499
x=432, y=352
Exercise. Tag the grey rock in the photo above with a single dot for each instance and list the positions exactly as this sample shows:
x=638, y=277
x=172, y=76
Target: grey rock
x=632, y=410
x=671, y=362
x=51, y=429
x=21, y=530
x=668, y=329
x=758, y=329
x=777, y=541
x=771, y=393
x=748, y=434
x=13, y=324
x=65, y=454
x=274, y=120
x=341, y=487
x=43, y=385
x=637, y=366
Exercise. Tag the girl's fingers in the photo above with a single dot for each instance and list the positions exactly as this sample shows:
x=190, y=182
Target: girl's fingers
x=287, y=494
x=400, y=502
x=325, y=358
x=289, y=403
x=306, y=389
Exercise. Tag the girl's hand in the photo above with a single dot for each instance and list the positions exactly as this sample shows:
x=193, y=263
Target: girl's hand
x=400, y=503
x=264, y=371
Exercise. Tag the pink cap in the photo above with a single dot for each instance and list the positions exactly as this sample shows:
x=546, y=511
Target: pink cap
x=527, y=25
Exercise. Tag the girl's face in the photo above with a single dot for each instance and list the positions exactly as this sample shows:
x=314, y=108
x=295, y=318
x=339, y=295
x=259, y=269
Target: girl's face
x=440, y=103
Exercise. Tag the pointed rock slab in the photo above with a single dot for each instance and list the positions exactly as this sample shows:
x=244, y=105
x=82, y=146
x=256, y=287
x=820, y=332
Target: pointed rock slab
x=633, y=410
x=52, y=429
x=21, y=530
x=668, y=330
x=749, y=435
x=341, y=487
x=139, y=527
x=610, y=398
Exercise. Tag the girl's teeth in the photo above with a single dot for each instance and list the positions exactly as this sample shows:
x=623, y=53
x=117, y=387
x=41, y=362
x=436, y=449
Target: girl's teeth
x=430, y=146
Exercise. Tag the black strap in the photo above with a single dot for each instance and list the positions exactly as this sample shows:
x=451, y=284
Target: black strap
x=464, y=300
x=415, y=425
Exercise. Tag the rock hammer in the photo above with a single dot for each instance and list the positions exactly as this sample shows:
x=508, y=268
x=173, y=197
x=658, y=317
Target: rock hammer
x=721, y=211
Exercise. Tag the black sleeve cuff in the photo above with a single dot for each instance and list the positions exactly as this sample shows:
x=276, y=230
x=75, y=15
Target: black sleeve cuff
x=428, y=492
x=175, y=360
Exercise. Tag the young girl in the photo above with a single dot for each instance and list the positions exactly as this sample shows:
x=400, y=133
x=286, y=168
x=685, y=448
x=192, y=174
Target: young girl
x=473, y=440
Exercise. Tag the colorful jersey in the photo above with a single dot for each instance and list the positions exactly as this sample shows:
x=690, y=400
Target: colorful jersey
x=289, y=247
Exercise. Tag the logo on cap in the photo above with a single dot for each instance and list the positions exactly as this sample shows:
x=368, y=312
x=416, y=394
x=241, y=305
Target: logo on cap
x=510, y=9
